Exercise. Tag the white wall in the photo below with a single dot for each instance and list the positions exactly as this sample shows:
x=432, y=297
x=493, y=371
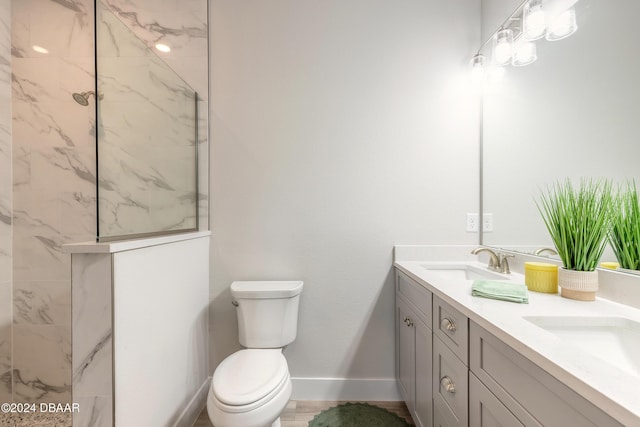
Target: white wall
x=159, y=332
x=339, y=128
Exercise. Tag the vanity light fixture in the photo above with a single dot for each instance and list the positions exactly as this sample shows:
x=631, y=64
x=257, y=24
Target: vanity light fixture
x=512, y=43
x=524, y=53
x=533, y=20
x=562, y=25
x=503, y=46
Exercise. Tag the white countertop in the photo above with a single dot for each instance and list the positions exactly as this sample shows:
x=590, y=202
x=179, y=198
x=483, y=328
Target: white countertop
x=613, y=390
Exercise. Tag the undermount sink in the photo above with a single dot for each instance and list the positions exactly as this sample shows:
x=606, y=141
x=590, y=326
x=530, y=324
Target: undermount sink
x=463, y=272
x=613, y=339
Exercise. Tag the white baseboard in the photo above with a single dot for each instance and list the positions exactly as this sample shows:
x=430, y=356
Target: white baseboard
x=383, y=389
x=194, y=407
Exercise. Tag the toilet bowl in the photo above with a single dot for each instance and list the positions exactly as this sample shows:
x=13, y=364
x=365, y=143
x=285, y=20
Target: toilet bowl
x=251, y=387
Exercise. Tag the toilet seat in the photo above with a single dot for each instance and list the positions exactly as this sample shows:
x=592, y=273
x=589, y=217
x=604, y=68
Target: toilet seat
x=249, y=378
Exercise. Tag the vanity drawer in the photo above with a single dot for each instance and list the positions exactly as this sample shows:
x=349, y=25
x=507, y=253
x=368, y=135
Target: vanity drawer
x=416, y=294
x=450, y=385
x=452, y=327
x=530, y=393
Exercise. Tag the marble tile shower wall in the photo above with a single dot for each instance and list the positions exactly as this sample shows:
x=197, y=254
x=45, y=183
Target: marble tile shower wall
x=53, y=186
x=146, y=128
x=53, y=174
x=182, y=25
x=5, y=202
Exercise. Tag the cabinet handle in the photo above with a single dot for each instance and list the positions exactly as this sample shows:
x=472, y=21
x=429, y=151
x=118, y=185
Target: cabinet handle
x=409, y=322
x=447, y=384
x=448, y=325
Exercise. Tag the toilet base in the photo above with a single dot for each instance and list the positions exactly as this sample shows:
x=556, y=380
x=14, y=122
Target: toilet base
x=276, y=423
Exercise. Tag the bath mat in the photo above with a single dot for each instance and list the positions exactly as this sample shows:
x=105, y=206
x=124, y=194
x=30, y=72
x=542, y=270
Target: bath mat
x=357, y=415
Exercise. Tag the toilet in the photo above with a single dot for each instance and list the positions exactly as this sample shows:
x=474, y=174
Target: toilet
x=251, y=387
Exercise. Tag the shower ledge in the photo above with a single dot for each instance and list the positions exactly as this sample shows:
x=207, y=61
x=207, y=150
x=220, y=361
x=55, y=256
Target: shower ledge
x=127, y=245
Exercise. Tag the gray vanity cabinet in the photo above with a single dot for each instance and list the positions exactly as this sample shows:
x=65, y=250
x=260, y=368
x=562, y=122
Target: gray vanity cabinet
x=485, y=410
x=531, y=395
x=453, y=373
x=414, y=348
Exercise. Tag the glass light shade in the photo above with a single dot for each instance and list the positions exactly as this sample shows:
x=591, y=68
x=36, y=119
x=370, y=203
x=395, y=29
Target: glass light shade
x=524, y=53
x=562, y=25
x=533, y=18
x=477, y=68
x=502, y=47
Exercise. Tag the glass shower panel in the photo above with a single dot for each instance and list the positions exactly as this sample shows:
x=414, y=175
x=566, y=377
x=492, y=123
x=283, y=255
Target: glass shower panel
x=146, y=138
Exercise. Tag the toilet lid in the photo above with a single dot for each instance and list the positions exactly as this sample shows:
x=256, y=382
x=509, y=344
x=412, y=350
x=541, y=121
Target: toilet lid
x=248, y=376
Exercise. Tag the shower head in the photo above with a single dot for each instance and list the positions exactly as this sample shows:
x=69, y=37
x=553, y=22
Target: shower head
x=83, y=98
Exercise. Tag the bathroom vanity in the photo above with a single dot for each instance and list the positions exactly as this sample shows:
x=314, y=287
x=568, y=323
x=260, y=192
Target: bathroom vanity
x=469, y=361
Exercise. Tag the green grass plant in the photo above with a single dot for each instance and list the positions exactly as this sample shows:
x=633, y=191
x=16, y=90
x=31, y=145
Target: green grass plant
x=578, y=220
x=624, y=234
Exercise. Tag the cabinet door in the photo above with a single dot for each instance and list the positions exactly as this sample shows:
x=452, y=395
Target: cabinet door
x=423, y=414
x=533, y=395
x=439, y=419
x=485, y=410
x=405, y=353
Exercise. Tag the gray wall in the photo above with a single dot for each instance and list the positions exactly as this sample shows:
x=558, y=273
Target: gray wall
x=339, y=128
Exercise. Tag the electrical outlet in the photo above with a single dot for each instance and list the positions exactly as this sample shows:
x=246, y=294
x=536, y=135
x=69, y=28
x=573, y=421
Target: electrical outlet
x=473, y=222
x=487, y=222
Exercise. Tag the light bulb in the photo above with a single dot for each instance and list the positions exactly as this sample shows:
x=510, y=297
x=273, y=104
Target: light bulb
x=502, y=46
x=534, y=25
x=562, y=25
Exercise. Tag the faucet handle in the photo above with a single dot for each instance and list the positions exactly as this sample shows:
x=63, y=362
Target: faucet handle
x=504, y=263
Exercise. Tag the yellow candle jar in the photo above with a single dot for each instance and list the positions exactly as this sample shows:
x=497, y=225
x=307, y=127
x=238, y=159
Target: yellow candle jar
x=541, y=277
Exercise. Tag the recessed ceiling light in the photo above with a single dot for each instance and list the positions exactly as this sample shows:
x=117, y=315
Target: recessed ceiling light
x=39, y=49
x=163, y=47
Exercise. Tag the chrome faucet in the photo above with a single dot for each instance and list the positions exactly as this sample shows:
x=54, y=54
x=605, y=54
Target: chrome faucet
x=494, y=261
x=497, y=262
x=551, y=251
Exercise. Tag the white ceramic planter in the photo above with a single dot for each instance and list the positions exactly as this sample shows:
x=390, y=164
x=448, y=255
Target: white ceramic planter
x=578, y=285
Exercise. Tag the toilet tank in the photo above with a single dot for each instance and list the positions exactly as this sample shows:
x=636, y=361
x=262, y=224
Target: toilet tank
x=267, y=312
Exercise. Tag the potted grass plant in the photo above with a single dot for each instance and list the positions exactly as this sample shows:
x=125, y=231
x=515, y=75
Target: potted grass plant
x=578, y=221
x=624, y=235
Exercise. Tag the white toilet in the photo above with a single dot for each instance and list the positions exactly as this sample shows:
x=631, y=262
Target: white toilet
x=251, y=387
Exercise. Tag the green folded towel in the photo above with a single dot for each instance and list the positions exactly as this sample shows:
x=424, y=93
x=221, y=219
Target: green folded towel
x=504, y=291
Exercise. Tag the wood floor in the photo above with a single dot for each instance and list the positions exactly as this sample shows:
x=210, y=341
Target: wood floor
x=299, y=413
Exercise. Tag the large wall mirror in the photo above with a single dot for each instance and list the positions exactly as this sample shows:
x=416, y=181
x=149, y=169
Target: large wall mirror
x=575, y=112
